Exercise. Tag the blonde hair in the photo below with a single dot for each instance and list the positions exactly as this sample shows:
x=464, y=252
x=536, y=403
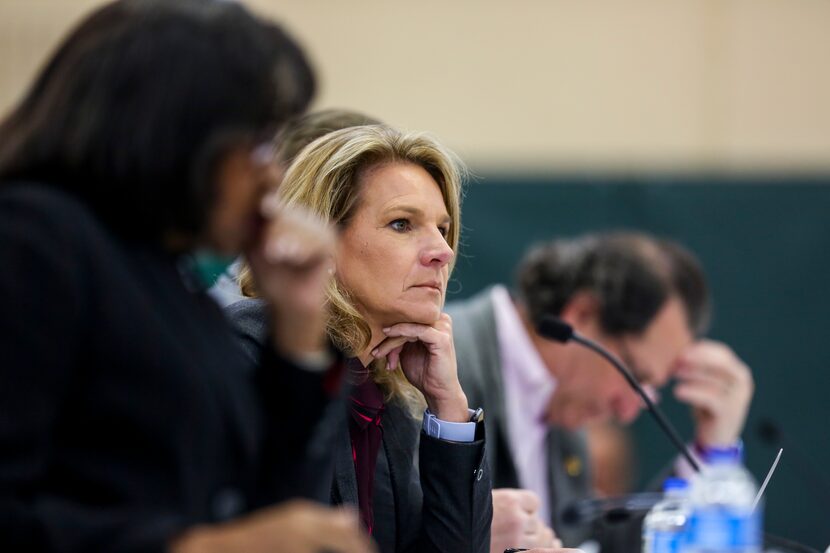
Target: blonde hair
x=325, y=178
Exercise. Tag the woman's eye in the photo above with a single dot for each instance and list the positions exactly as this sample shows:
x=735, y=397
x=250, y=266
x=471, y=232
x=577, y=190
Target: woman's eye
x=445, y=231
x=400, y=225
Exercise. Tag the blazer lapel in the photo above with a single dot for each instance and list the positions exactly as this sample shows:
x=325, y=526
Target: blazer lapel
x=345, y=482
x=568, y=479
x=398, y=431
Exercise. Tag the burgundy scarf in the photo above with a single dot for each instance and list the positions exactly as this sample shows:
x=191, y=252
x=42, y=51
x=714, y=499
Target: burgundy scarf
x=365, y=430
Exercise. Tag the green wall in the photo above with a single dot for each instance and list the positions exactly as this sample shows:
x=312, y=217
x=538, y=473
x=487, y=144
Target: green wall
x=765, y=243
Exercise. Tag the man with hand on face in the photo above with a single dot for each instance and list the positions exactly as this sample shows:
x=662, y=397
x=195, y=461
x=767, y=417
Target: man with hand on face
x=645, y=300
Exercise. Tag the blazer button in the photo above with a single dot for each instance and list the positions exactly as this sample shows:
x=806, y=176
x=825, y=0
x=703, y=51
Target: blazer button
x=227, y=503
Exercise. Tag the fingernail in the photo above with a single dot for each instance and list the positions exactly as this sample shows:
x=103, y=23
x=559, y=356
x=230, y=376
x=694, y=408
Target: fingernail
x=375, y=352
x=385, y=330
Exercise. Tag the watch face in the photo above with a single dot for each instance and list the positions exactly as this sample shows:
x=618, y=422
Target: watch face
x=478, y=418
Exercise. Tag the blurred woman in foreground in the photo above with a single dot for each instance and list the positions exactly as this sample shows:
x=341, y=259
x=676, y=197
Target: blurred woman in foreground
x=128, y=418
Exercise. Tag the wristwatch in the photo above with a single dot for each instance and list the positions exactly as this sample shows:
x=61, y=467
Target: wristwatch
x=478, y=418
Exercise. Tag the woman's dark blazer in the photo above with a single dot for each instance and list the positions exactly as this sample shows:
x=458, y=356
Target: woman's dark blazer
x=431, y=495
x=128, y=411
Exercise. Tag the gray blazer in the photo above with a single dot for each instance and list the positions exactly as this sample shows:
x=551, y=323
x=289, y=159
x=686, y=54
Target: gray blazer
x=479, y=368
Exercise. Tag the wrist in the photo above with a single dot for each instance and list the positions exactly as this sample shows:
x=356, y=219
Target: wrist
x=713, y=440
x=299, y=336
x=451, y=409
x=703, y=450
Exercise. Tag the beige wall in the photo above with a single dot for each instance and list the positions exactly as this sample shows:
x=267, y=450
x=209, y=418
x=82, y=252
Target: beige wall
x=551, y=85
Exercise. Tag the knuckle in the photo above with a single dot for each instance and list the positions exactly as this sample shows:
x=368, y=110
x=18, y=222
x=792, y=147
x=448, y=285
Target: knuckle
x=509, y=499
x=528, y=494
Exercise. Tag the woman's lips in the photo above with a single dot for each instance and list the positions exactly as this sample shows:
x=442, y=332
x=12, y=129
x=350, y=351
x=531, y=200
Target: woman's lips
x=430, y=286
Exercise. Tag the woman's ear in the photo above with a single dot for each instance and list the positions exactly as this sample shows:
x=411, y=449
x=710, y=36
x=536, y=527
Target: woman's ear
x=338, y=256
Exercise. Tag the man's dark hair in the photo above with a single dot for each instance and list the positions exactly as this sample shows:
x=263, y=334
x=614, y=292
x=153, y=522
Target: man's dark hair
x=139, y=103
x=305, y=129
x=630, y=274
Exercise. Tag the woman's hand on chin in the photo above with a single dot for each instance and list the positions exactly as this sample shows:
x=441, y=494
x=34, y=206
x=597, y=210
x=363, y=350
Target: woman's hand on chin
x=427, y=357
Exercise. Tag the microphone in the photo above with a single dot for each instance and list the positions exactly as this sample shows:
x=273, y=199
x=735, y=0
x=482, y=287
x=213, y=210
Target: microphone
x=612, y=509
x=556, y=329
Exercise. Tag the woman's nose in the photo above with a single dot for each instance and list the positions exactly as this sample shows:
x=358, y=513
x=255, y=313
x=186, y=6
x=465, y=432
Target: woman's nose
x=437, y=251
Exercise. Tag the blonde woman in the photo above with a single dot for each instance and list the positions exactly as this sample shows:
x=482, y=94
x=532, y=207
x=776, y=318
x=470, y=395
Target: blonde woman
x=394, y=199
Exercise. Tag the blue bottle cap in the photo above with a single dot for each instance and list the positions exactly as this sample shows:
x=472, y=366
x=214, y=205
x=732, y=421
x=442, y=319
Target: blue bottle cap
x=675, y=484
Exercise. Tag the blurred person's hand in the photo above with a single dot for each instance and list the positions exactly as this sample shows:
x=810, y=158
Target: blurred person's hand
x=296, y=526
x=719, y=387
x=516, y=522
x=291, y=264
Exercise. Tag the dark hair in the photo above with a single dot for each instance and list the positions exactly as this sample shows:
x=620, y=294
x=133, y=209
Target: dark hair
x=139, y=103
x=305, y=129
x=630, y=274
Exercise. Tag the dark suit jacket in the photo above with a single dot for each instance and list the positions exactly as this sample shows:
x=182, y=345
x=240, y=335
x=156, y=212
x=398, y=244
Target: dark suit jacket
x=128, y=412
x=479, y=369
x=430, y=495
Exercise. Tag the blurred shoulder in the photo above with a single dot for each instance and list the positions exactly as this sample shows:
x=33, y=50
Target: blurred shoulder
x=249, y=317
x=46, y=205
x=48, y=223
x=473, y=315
x=470, y=303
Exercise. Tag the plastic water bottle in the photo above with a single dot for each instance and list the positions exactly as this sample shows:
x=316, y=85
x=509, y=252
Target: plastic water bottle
x=664, y=528
x=723, y=520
